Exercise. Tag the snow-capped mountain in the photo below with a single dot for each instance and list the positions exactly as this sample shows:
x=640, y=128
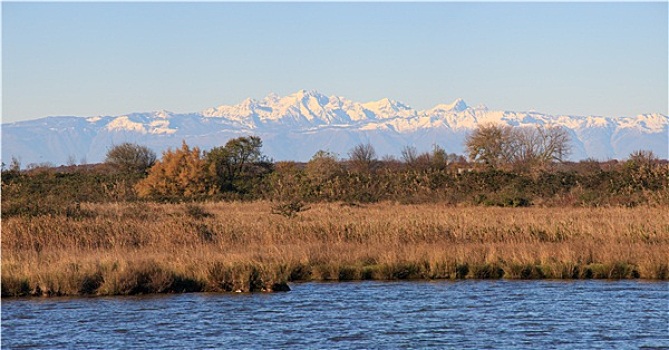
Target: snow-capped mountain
x=296, y=126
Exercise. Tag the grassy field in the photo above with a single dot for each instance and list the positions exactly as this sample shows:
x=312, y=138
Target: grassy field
x=132, y=248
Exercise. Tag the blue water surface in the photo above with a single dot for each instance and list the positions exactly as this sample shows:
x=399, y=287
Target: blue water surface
x=356, y=315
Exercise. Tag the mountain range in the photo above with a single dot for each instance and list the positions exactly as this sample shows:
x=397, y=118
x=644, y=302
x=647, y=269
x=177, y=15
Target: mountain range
x=296, y=126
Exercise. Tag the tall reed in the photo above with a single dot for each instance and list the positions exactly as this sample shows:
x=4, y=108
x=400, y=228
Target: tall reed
x=130, y=248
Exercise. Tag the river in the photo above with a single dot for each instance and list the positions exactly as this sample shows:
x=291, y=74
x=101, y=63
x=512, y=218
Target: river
x=497, y=314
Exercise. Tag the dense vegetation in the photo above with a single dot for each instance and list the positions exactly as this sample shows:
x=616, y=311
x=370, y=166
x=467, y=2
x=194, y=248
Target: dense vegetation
x=130, y=248
x=198, y=220
x=239, y=171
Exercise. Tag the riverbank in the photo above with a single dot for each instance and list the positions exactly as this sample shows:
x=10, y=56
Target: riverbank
x=138, y=248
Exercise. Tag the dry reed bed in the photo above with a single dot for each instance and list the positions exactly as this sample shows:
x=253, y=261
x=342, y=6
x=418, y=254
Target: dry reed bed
x=109, y=249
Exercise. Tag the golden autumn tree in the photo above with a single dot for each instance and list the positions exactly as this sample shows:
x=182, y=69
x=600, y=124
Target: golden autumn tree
x=180, y=173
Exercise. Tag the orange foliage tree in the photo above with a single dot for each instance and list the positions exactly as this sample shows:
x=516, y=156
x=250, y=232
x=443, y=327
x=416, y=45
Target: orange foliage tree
x=180, y=173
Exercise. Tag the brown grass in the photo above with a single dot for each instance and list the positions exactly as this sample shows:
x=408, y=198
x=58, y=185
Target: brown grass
x=108, y=249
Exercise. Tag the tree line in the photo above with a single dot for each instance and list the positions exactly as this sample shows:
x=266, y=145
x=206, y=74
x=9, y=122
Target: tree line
x=504, y=166
x=240, y=168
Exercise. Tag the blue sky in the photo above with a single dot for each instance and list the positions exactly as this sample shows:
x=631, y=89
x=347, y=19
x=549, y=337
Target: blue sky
x=113, y=58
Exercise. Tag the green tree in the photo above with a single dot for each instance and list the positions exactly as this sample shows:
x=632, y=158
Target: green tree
x=235, y=165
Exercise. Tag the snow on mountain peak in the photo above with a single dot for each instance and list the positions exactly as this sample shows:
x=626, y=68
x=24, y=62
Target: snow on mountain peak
x=163, y=114
x=458, y=105
x=248, y=104
x=304, y=96
x=124, y=123
x=296, y=125
x=386, y=108
x=271, y=98
x=304, y=92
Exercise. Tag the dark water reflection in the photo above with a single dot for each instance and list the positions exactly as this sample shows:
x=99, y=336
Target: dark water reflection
x=361, y=315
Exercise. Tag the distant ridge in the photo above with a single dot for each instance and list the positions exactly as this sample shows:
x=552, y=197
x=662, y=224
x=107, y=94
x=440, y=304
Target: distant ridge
x=295, y=126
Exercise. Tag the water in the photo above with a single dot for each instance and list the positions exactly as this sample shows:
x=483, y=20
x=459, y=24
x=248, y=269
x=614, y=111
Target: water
x=359, y=315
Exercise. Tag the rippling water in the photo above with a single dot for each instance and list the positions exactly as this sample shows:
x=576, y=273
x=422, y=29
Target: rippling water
x=463, y=314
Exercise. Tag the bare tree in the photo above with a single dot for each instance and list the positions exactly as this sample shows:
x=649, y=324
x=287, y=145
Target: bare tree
x=15, y=165
x=71, y=160
x=362, y=157
x=500, y=145
x=490, y=144
x=540, y=146
x=409, y=155
x=131, y=157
